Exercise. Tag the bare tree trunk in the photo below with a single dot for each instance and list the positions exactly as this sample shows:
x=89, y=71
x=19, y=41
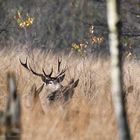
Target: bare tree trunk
x=2, y=134
x=12, y=114
x=114, y=23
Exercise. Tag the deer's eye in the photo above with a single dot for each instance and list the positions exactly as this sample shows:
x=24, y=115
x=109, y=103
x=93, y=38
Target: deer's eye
x=50, y=82
x=47, y=82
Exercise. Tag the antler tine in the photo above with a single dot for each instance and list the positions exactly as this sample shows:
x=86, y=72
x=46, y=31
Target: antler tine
x=35, y=73
x=63, y=70
x=47, y=75
x=25, y=65
x=59, y=63
x=51, y=72
x=30, y=69
x=61, y=73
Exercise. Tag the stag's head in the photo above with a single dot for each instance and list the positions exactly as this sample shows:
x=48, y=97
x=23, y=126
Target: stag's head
x=52, y=83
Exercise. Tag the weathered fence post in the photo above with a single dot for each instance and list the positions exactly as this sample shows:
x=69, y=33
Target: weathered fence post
x=12, y=114
x=114, y=23
x=2, y=128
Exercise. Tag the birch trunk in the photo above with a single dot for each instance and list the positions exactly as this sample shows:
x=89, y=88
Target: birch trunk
x=114, y=23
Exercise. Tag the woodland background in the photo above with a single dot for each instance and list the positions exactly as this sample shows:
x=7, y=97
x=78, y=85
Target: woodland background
x=76, y=32
x=57, y=24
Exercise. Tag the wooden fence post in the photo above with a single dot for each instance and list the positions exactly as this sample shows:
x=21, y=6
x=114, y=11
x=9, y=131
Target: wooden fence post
x=13, y=112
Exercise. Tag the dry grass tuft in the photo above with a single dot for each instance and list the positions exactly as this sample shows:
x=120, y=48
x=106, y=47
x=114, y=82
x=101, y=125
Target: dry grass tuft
x=90, y=114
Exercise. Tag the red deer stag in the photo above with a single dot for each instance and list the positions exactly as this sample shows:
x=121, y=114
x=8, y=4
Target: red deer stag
x=54, y=90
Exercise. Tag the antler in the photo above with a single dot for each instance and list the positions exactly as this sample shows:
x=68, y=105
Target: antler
x=30, y=69
x=59, y=63
x=62, y=71
x=24, y=64
x=48, y=75
x=44, y=75
x=58, y=69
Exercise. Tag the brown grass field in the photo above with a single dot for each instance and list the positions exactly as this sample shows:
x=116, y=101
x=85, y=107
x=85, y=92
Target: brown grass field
x=90, y=114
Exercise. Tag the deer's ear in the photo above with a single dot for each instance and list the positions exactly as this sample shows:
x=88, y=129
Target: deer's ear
x=40, y=89
x=43, y=79
x=75, y=83
x=61, y=78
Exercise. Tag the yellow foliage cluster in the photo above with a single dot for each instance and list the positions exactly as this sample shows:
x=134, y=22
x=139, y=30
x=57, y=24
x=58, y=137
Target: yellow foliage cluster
x=95, y=40
x=79, y=47
x=23, y=22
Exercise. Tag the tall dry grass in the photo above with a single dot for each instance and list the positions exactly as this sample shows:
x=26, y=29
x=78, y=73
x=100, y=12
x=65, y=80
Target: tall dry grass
x=90, y=113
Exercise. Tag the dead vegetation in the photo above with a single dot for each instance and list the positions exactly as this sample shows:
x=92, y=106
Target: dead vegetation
x=90, y=113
